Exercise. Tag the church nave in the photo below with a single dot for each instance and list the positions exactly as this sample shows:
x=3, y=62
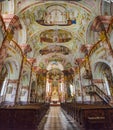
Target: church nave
x=56, y=119
x=56, y=64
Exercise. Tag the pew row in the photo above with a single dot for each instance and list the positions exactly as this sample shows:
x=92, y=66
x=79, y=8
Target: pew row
x=91, y=116
x=25, y=117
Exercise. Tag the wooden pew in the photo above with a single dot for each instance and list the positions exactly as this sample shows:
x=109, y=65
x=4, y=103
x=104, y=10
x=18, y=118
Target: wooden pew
x=79, y=108
x=91, y=116
x=109, y=117
x=22, y=117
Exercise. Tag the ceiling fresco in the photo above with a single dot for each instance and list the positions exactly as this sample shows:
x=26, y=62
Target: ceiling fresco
x=56, y=30
x=82, y=16
x=55, y=36
x=56, y=58
x=55, y=15
x=55, y=49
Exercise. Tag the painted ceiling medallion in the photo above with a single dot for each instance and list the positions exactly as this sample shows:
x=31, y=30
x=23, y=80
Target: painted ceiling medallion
x=56, y=58
x=54, y=15
x=55, y=49
x=55, y=36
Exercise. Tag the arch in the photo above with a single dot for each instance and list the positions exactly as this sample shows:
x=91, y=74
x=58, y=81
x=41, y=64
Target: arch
x=3, y=75
x=24, y=86
x=22, y=33
x=54, y=65
x=90, y=35
x=102, y=62
x=105, y=77
x=12, y=66
x=33, y=91
x=11, y=80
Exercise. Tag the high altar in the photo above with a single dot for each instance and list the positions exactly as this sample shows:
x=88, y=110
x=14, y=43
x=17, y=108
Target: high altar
x=55, y=96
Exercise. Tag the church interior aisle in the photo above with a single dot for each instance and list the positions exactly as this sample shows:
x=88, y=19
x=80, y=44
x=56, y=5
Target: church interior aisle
x=55, y=119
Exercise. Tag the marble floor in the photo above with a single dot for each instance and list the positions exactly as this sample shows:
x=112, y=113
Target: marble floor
x=55, y=119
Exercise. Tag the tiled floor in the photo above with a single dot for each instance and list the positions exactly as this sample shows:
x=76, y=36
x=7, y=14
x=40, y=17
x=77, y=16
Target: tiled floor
x=55, y=119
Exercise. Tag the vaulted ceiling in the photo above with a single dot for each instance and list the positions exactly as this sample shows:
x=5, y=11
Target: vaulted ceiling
x=56, y=30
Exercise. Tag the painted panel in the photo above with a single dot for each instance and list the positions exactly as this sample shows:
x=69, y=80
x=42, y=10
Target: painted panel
x=55, y=35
